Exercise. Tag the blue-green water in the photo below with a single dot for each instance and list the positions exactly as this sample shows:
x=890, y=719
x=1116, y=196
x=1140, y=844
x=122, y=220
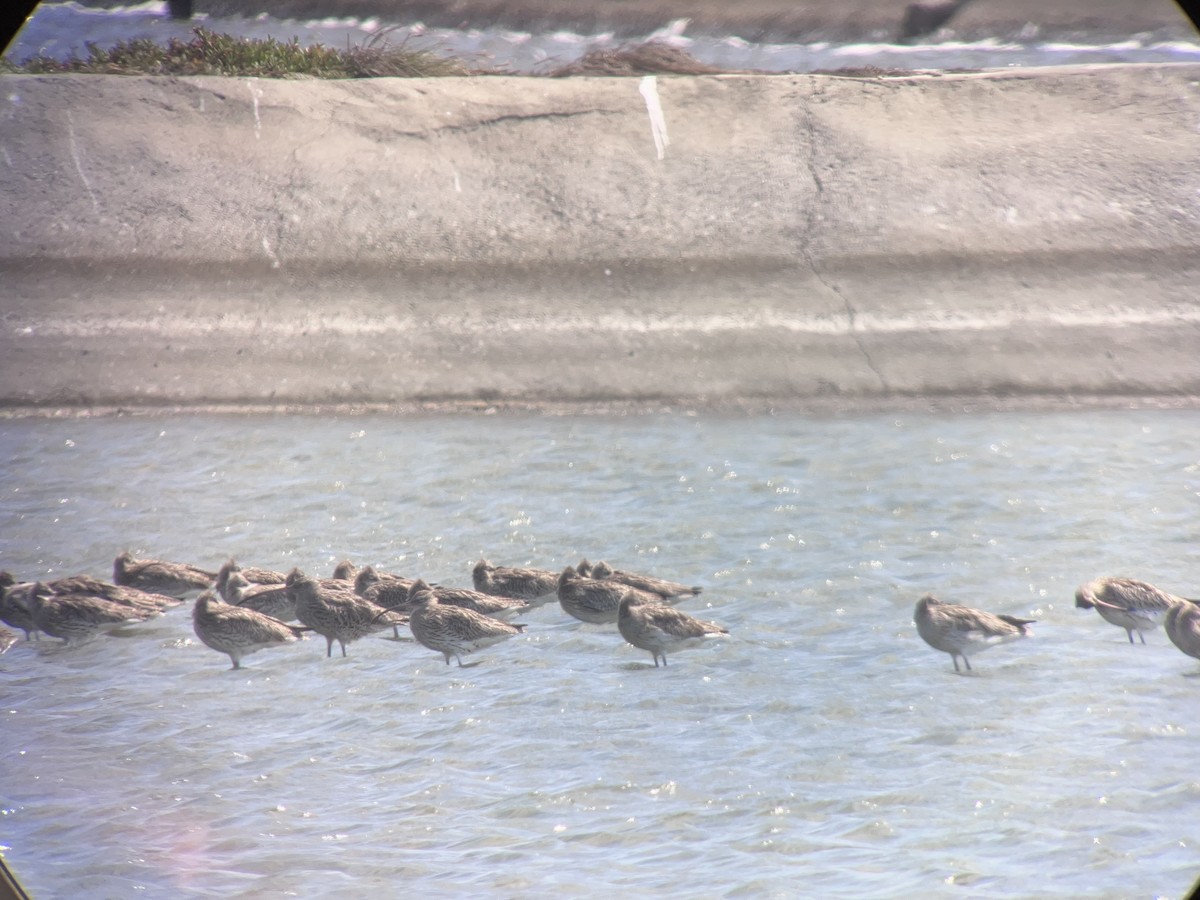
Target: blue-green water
x=823, y=751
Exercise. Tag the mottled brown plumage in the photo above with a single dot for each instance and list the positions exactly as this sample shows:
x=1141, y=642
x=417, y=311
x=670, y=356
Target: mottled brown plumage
x=76, y=618
x=1127, y=603
x=17, y=599
x=14, y=612
x=252, y=574
x=337, y=613
x=382, y=588
x=94, y=587
x=384, y=591
x=597, y=601
x=667, y=590
x=534, y=585
x=961, y=630
x=159, y=576
x=453, y=630
x=1182, y=624
x=659, y=629
x=487, y=604
x=269, y=599
x=237, y=631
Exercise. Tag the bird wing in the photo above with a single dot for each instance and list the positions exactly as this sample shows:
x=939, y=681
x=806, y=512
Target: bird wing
x=1135, y=597
x=677, y=623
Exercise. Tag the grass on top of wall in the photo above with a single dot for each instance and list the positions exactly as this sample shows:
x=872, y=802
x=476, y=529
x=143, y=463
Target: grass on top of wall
x=208, y=53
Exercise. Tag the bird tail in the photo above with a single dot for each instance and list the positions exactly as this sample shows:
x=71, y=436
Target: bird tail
x=1023, y=624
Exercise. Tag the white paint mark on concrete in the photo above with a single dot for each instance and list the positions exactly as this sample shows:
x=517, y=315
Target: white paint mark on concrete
x=79, y=164
x=255, y=94
x=270, y=253
x=658, y=123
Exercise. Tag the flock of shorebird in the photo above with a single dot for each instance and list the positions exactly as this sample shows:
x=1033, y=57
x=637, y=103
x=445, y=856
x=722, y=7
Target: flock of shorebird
x=241, y=610
x=1125, y=602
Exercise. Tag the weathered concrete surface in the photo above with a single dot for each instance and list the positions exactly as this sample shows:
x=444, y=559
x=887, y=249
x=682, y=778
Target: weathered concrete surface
x=234, y=241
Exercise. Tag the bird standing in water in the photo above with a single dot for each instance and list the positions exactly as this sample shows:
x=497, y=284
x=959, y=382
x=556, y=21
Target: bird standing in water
x=453, y=630
x=236, y=630
x=961, y=630
x=650, y=626
x=1127, y=603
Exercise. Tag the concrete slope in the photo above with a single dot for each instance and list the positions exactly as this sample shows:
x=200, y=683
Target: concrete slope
x=762, y=239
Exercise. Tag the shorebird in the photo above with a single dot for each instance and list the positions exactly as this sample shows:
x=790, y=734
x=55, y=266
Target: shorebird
x=337, y=614
x=667, y=590
x=16, y=602
x=76, y=618
x=93, y=587
x=117, y=593
x=594, y=600
x=452, y=630
x=252, y=574
x=87, y=584
x=961, y=630
x=236, y=630
x=657, y=628
x=1182, y=624
x=159, y=576
x=382, y=588
x=477, y=601
x=345, y=571
x=269, y=599
x=1126, y=603
x=16, y=613
x=535, y=585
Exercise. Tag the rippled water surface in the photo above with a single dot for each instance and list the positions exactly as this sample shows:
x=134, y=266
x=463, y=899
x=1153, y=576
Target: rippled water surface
x=824, y=750
x=62, y=29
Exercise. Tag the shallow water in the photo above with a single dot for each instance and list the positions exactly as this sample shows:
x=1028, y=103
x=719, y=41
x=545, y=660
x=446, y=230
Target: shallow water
x=823, y=749
x=62, y=29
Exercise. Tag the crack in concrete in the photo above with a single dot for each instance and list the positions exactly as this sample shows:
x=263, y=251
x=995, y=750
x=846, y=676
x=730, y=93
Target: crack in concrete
x=531, y=117
x=806, y=247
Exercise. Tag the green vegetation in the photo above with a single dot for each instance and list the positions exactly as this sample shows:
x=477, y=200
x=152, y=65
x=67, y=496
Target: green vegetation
x=219, y=54
x=208, y=53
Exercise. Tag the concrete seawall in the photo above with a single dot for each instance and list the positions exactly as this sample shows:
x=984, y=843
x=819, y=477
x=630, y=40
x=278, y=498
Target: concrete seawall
x=784, y=240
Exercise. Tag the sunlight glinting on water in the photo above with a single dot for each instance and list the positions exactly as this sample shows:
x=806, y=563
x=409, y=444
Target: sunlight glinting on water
x=823, y=744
